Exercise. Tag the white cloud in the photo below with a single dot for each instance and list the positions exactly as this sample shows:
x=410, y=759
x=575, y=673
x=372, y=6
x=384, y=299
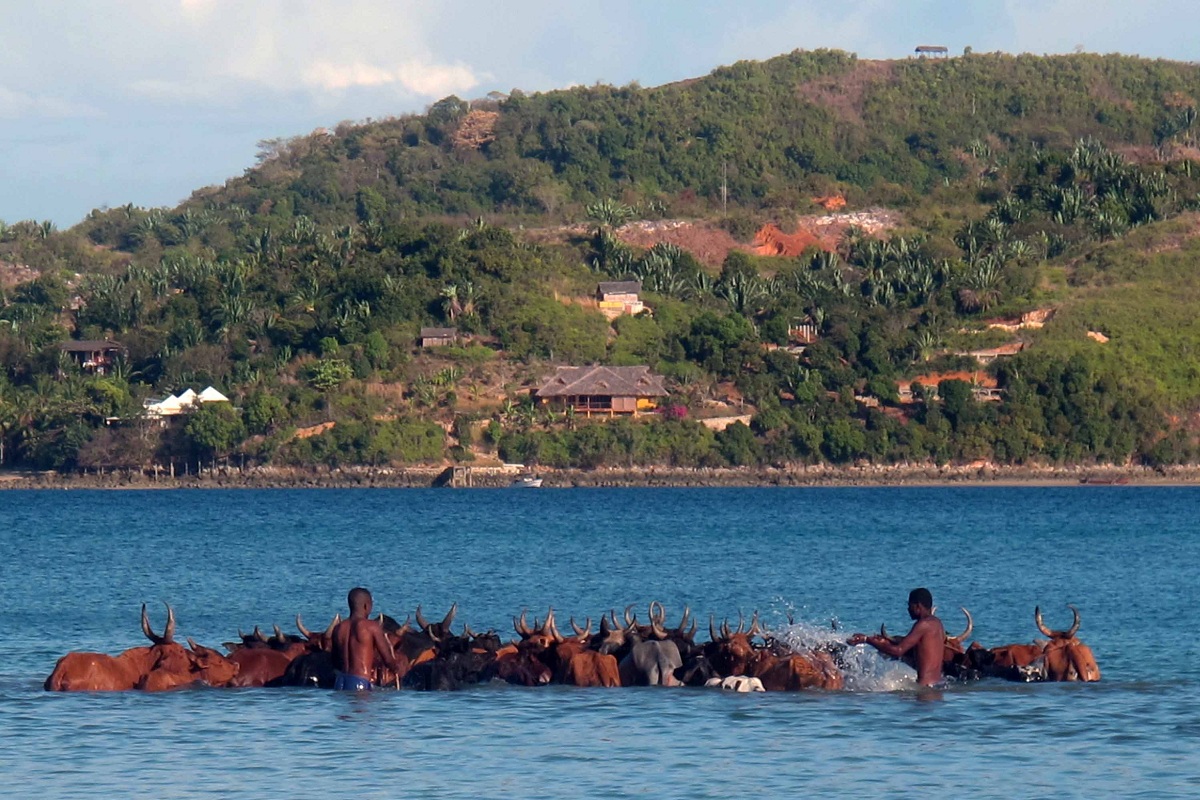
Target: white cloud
x=17, y=105
x=413, y=77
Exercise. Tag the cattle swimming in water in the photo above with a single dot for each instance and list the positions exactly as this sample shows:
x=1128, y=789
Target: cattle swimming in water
x=431, y=656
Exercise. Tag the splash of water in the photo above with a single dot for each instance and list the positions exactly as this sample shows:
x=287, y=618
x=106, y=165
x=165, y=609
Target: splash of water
x=865, y=670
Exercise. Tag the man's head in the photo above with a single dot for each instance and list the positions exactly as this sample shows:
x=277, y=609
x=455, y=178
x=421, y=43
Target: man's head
x=359, y=600
x=920, y=603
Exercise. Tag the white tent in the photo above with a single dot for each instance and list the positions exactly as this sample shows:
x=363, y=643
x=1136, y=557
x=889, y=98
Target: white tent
x=211, y=395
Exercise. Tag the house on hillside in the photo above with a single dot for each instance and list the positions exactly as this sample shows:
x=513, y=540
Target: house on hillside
x=174, y=405
x=603, y=390
x=934, y=50
x=619, y=297
x=990, y=354
x=92, y=355
x=983, y=386
x=438, y=337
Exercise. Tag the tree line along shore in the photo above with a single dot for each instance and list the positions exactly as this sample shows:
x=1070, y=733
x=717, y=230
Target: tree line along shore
x=396, y=478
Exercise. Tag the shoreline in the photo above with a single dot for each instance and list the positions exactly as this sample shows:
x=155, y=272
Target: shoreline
x=643, y=477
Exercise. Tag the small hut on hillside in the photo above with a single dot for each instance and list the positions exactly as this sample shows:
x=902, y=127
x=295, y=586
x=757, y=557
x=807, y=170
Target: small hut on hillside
x=603, y=390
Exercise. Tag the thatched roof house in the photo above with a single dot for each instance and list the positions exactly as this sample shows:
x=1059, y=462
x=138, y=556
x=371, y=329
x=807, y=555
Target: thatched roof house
x=611, y=390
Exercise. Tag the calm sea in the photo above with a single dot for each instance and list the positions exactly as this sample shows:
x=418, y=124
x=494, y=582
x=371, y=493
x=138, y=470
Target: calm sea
x=77, y=565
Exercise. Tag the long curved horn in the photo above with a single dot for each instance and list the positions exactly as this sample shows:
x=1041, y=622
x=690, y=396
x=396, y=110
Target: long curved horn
x=150, y=634
x=586, y=630
x=683, y=621
x=241, y=635
x=630, y=619
x=604, y=627
x=258, y=635
x=1041, y=626
x=279, y=637
x=962, y=637
x=424, y=623
x=657, y=629
x=467, y=632
x=741, y=621
x=883, y=631
x=613, y=616
x=337, y=620
x=305, y=632
x=168, y=636
x=712, y=630
x=450, y=615
x=692, y=633
x=754, y=629
x=520, y=626
x=545, y=626
x=551, y=628
x=1070, y=634
x=725, y=633
x=661, y=616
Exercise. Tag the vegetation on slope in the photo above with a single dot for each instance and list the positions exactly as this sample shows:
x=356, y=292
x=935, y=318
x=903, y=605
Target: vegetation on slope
x=299, y=288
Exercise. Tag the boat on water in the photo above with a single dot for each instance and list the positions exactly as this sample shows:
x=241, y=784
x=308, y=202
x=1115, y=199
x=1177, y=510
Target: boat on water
x=526, y=482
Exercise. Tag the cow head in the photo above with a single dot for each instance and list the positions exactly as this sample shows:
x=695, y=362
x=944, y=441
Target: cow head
x=1066, y=658
x=732, y=651
x=437, y=631
x=322, y=640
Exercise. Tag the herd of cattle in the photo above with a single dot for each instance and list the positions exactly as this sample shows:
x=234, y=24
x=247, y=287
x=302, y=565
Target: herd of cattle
x=629, y=653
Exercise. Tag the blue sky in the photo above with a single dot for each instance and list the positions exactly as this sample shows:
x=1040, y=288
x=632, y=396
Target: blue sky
x=108, y=102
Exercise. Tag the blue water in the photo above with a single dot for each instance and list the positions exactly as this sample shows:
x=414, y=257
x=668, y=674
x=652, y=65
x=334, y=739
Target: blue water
x=78, y=565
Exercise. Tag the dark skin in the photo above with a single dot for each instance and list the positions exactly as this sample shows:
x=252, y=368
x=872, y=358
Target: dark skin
x=927, y=638
x=358, y=640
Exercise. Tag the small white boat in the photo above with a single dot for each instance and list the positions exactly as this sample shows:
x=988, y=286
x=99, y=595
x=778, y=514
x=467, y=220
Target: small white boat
x=526, y=482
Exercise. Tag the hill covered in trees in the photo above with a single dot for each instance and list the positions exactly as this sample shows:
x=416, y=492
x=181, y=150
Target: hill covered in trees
x=1058, y=185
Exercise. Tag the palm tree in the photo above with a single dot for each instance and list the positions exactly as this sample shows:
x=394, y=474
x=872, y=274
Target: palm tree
x=450, y=302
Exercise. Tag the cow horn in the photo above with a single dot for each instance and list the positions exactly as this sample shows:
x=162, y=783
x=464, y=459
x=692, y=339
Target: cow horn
x=305, y=632
x=657, y=629
x=1070, y=634
x=241, y=635
x=692, y=633
x=883, y=631
x=712, y=631
x=424, y=623
x=195, y=647
x=741, y=621
x=613, y=616
x=586, y=630
x=754, y=629
x=630, y=619
x=150, y=634
x=279, y=637
x=258, y=635
x=337, y=620
x=521, y=626
x=545, y=626
x=450, y=615
x=470, y=634
x=962, y=637
x=551, y=628
x=683, y=621
x=169, y=633
x=661, y=616
x=725, y=628
x=604, y=628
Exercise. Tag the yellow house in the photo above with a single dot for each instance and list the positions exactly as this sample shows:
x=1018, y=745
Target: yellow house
x=603, y=390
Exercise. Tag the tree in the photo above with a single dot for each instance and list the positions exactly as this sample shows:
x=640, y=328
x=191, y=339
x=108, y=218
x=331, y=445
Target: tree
x=328, y=374
x=214, y=429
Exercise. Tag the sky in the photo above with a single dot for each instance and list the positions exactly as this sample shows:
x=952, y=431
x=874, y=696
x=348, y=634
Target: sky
x=109, y=102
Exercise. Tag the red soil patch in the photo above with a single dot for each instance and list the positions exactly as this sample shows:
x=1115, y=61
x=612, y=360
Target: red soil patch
x=771, y=241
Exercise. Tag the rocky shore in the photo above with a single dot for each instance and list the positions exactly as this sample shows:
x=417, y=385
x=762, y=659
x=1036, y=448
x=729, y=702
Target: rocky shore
x=424, y=477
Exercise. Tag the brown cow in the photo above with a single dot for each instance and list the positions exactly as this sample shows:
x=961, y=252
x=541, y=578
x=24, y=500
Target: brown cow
x=163, y=665
x=577, y=664
x=1065, y=657
x=797, y=671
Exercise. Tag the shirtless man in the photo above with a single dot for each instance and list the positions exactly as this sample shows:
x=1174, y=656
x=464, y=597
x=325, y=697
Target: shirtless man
x=356, y=643
x=927, y=636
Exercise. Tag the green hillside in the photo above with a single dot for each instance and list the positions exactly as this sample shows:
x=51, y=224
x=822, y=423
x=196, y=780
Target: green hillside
x=1056, y=185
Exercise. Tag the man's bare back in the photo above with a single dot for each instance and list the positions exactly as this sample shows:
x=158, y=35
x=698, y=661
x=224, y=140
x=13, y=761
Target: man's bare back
x=357, y=642
x=926, y=641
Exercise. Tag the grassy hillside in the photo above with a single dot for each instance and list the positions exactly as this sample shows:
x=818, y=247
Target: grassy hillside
x=298, y=289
